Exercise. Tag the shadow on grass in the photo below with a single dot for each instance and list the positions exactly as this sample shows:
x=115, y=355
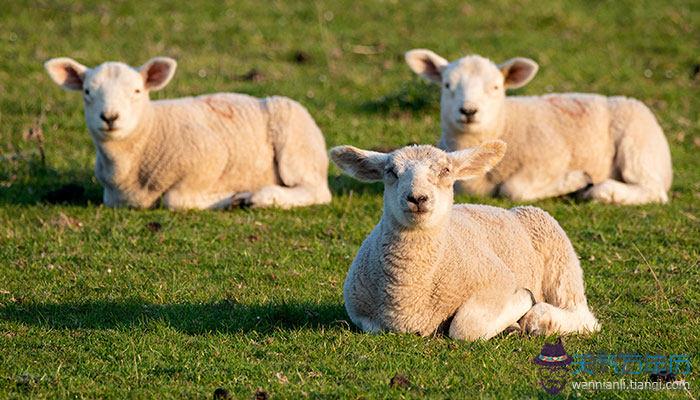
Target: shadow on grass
x=413, y=96
x=41, y=184
x=188, y=318
x=33, y=182
x=342, y=185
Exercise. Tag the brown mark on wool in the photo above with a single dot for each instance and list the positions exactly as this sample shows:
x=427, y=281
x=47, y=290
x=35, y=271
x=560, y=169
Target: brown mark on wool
x=575, y=108
x=220, y=106
x=146, y=179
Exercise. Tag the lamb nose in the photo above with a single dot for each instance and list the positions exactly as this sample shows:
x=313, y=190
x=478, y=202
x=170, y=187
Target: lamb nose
x=417, y=200
x=468, y=112
x=109, y=119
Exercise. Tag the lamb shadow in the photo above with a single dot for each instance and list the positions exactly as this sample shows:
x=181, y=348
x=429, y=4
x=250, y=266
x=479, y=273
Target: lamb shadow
x=188, y=318
x=414, y=96
x=342, y=185
x=33, y=182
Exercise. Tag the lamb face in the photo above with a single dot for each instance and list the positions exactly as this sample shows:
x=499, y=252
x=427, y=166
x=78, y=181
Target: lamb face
x=418, y=186
x=115, y=95
x=473, y=88
x=472, y=95
x=418, y=180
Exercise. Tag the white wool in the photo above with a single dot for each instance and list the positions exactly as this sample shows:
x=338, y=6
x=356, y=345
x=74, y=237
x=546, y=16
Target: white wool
x=474, y=270
x=557, y=143
x=210, y=151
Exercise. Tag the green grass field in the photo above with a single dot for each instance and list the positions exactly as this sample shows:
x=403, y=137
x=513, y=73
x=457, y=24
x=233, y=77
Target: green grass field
x=116, y=303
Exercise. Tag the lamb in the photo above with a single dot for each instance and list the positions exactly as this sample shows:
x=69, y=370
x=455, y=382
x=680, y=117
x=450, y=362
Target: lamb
x=609, y=149
x=477, y=269
x=208, y=152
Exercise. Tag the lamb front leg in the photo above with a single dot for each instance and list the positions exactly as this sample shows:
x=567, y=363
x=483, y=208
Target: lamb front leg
x=136, y=199
x=483, y=317
x=546, y=319
x=282, y=197
x=524, y=187
x=175, y=200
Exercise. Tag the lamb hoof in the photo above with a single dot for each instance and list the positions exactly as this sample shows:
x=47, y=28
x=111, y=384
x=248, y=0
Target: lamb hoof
x=242, y=200
x=513, y=329
x=537, y=321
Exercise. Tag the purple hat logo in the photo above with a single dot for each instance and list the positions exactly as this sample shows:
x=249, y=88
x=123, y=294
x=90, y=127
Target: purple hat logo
x=554, y=371
x=553, y=355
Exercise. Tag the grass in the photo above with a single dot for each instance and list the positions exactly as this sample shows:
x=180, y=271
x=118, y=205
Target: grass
x=104, y=303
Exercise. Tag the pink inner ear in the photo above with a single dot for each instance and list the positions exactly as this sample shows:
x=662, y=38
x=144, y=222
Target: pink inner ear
x=431, y=69
x=157, y=73
x=518, y=73
x=73, y=78
x=67, y=76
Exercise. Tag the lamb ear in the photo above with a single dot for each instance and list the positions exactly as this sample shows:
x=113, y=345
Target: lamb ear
x=361, y=164
x=476, y=161
x=66, y=72
x=518, y=72
x=426, y=64
x=157, y=72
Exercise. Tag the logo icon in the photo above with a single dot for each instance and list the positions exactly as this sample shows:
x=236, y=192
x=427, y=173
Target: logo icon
x=554, y=367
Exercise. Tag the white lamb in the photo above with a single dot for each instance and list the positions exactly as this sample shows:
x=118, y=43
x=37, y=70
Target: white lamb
x=474, y=268
x=211, y=151
x=558, y=143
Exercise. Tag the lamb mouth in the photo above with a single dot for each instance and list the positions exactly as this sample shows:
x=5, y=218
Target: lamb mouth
x=467, y=120
x=419, y=212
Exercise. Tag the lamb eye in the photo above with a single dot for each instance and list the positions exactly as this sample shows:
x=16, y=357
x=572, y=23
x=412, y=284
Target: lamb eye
x=87, y=92
x=444, y=172
x=392, y=173
x=137, y=91
x=495, y=87
x=447, y=85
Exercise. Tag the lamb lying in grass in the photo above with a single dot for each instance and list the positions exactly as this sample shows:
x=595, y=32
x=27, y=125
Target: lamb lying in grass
x=428, y=260
x=558, y=143
x=211, y=151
